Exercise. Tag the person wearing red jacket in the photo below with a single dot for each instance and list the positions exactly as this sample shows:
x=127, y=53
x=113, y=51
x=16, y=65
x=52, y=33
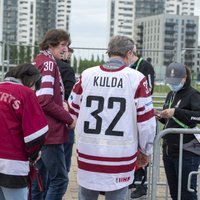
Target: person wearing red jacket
x=51, y=98
x=23, y=127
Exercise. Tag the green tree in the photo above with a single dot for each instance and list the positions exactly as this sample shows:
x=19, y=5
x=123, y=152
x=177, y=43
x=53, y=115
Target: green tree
x=22, y=54
x=36, y=50
x=28, y=54
x=13, y=54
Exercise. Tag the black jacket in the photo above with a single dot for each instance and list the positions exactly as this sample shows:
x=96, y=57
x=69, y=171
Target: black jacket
x=67, y=75
x=187, y=110
x=147, y=69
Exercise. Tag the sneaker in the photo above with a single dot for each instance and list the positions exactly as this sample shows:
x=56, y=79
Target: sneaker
x=102, y=193
x=138, y=192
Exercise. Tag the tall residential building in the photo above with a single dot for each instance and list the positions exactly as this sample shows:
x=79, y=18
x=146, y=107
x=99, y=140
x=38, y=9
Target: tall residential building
x=180, y=7
x=45, y=17
x=9, y=18
x=26, y=21
x=144, y=8
x=166, y=38
x=121, y=17
x=122, y=14
x=25, y=25
x=64, y=10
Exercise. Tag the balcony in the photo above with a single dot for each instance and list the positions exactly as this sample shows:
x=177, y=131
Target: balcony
x=167, y=47
x=168, y=56
x=189, y=32
x=140, y=41
x=169, y=39
x=190, y=64
x=190, y=41
x=190, y=25
x=189, y=56
x=140, y=26
x=140, y=34
x=189, y=45
x=170, y=24
x=169, y=32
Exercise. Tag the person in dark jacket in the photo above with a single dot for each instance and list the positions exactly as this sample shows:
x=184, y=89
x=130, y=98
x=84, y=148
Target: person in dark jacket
x=181, y=110
x=145, y=68
x=68, y=78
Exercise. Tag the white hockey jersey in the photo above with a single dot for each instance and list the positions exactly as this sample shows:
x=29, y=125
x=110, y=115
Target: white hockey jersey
x=114, y=116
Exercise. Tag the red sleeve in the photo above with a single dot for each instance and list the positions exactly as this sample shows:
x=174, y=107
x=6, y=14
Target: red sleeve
x=34, y=124
x=46, y=94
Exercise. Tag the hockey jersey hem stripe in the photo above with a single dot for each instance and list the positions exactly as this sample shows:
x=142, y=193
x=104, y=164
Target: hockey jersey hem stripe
x=111, y=159
x=105, y=168
x=35, y=135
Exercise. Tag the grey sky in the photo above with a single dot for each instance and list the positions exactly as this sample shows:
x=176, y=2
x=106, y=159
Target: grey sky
x=89, y=22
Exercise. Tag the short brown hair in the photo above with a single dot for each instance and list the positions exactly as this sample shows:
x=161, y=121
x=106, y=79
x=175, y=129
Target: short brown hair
x=53, y=37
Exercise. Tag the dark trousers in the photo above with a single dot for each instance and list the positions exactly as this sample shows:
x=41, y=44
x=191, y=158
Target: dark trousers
x=53, y=170
x=171, y=165
x=69, y=149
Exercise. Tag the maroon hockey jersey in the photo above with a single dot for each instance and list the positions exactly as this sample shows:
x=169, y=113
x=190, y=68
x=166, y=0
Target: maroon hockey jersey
x=51, y=97
x=23, y=126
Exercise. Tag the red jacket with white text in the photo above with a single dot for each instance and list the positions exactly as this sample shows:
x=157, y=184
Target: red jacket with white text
x=23, y=127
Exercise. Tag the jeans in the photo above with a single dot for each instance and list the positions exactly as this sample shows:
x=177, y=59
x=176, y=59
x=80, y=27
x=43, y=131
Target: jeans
x=68, y=149
x=53, y=159
x=86, y=194
x=13, y=193
x=171, y=164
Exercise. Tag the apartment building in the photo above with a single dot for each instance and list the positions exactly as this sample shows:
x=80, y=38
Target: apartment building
x=166, y=38
x=26, y=21
x=180, y=7
x=122, y=14
x=63, y=9
x=165, y=30
x=121, y=17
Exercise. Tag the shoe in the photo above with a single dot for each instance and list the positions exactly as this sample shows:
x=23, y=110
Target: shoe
x=138, y=192
x=102, y=193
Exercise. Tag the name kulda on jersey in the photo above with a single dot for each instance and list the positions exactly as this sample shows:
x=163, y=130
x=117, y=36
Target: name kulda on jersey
x=107, y=82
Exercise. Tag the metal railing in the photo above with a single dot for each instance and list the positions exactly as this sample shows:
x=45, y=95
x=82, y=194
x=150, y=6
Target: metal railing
x=156, y=160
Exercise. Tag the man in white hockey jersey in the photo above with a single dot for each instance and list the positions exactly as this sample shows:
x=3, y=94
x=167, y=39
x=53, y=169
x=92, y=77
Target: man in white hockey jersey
x=115, y=119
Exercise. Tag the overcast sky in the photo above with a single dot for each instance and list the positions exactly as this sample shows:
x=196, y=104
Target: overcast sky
x=89, y=22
